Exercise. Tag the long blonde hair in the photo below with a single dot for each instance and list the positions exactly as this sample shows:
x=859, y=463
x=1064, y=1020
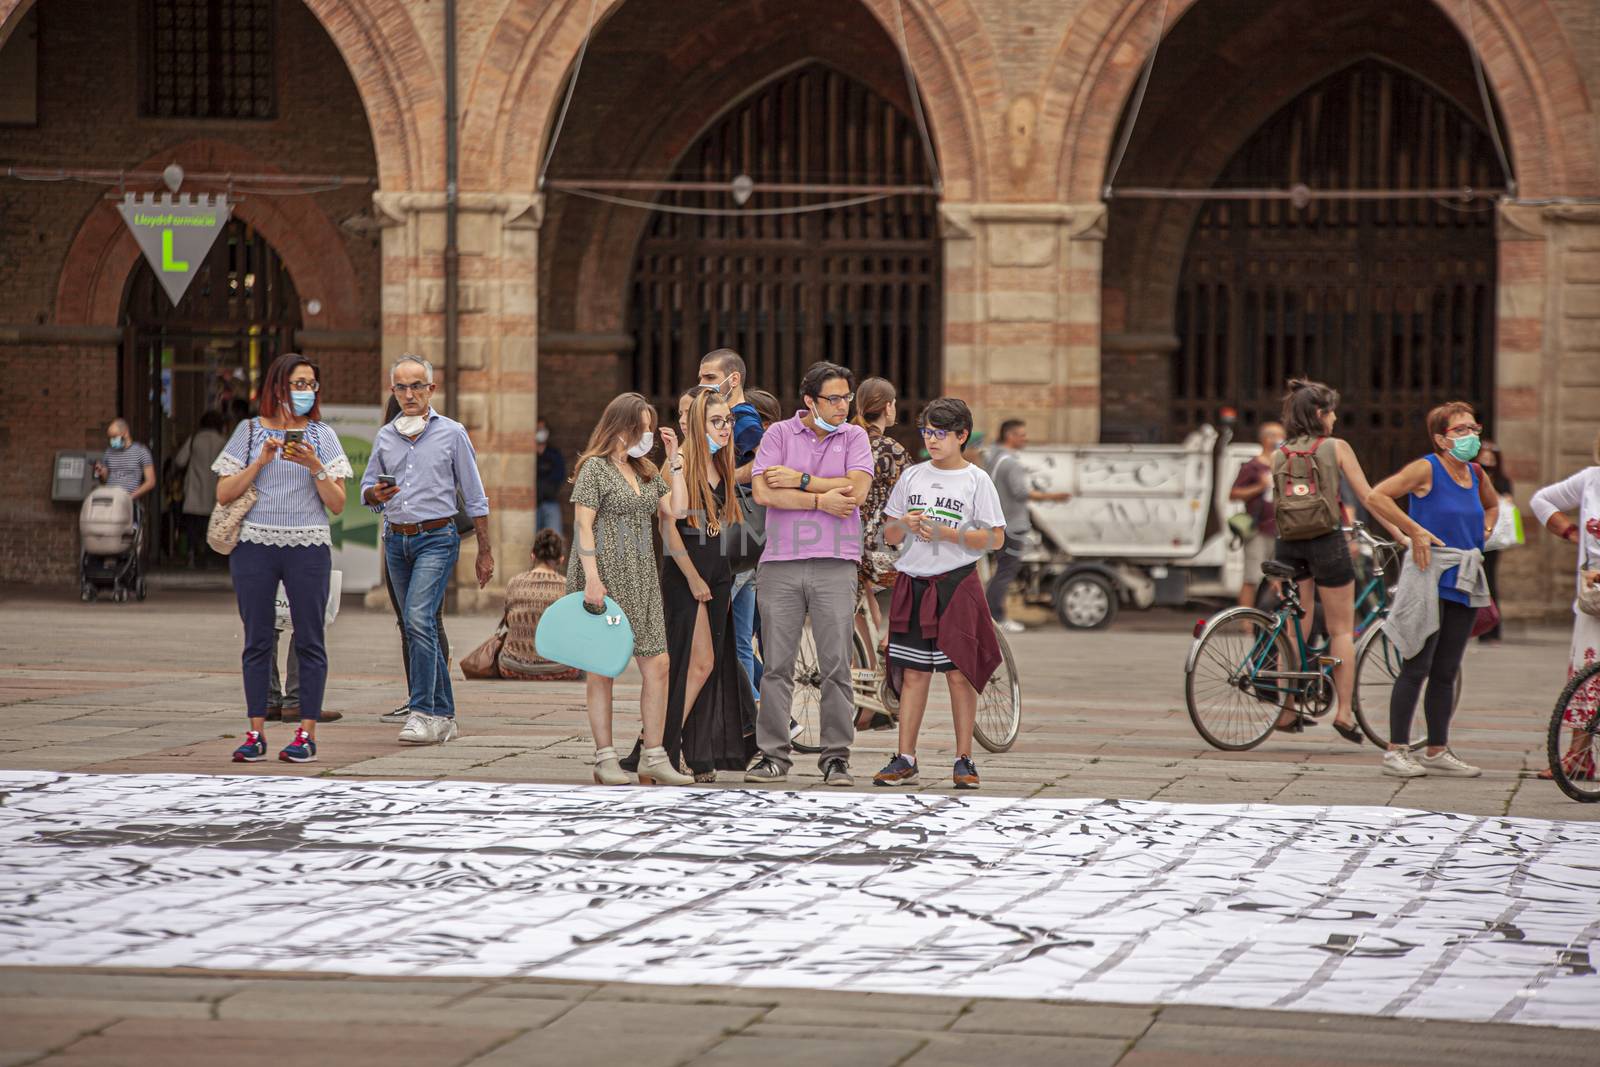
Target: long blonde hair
x=620, y=420
x=698, y=462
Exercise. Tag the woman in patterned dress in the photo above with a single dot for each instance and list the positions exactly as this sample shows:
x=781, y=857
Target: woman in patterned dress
x=617, y=497
x=1580, y=493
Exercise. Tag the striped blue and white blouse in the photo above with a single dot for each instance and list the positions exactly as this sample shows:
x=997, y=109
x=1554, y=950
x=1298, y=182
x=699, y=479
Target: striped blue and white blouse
x=289, y=512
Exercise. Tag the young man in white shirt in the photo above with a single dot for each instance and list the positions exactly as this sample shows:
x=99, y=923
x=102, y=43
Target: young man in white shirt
x=948, y=514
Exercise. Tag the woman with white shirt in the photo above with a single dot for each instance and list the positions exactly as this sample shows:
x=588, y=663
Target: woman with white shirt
x=1580, y=493
x=284, y=538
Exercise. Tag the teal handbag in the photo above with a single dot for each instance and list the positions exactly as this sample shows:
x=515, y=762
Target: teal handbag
x=596, y=640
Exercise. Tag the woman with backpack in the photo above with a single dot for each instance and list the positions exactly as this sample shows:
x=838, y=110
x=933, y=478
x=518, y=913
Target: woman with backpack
x=1453, y=506
x=1305, y=479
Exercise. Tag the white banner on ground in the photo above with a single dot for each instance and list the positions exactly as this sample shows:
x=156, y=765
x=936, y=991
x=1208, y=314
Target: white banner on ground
x=1374, y=911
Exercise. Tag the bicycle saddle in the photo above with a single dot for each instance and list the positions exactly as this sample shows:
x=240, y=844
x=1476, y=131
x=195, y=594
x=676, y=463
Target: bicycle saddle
x=1273, y=569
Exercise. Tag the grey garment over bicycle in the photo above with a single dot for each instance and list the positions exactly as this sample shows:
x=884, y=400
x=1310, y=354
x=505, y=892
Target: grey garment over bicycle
x=1414, y=615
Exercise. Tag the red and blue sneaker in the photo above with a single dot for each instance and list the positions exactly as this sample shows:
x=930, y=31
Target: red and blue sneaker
x=254, y=749
x=301, y=750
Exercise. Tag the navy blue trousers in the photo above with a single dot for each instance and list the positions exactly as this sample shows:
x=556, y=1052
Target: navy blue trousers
x=304, y=572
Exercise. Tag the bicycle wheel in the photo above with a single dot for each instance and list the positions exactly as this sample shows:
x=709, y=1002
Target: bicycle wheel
x=1572, y=746
x=1230, y=704
x=806, y=707
x=1378, y=664
x=1000, y=704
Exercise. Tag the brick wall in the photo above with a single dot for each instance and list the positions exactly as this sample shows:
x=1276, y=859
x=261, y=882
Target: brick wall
x=61, y=396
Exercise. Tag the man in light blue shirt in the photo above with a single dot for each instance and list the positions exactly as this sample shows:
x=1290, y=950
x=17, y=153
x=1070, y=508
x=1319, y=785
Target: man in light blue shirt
x=418, y=463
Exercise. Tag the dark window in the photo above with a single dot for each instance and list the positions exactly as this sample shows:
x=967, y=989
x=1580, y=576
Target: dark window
x=208, y=59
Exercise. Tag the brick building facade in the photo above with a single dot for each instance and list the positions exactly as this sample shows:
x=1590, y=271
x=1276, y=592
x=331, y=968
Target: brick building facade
x=1086, y=314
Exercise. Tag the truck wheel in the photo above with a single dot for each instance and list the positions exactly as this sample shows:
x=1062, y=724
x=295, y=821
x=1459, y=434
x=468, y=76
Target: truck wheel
x=1086, y=601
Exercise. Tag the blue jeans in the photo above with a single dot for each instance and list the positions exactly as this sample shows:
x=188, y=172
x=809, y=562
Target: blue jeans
x=744, y=628
x=303, y=570
x=547, y=516
x=420, y=567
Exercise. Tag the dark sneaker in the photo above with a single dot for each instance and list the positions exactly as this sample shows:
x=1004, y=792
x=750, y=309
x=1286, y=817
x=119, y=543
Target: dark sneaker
x=837, y=772
x=400, y=714
x=254, y=749
x=966, y=773
x=762, y=769
x=899, y=771
x=301, y=750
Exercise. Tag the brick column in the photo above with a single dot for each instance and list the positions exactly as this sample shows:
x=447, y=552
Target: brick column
x=497, y=235
x=1022, y=314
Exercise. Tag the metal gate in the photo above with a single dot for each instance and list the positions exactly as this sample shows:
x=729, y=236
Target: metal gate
x=1392, y=302
x=207, y=353
x=859, y=285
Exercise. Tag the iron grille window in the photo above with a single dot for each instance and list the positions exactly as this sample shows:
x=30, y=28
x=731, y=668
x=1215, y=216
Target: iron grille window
x=208, y=59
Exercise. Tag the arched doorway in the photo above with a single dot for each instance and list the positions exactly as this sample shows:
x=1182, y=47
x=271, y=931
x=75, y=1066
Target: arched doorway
x=1390, y=301
x=207, y=353
x=858, y=285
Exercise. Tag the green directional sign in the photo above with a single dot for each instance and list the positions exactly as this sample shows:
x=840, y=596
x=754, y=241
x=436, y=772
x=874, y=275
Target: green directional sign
x=175, y=233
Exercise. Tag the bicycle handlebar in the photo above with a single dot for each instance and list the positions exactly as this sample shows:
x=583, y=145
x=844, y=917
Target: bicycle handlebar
x=1360, y=530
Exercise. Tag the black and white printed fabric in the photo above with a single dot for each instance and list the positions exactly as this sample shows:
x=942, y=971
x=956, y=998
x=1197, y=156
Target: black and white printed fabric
x=1376, y=911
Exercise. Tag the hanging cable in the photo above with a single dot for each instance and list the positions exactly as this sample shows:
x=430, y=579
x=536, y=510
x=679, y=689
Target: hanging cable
x=1488, y=103
x=916, y=99
x=566, y=101
x=1138, y=102
x=678, y=209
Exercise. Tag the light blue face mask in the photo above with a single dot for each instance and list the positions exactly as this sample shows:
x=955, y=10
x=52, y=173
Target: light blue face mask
x=822, y=424
x=712, y=443
x=1466, y=448
x=302, y=402
x=119, y=443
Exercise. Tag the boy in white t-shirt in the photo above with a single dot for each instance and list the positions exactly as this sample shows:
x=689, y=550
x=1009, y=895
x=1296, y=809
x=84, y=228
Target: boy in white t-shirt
x=947, y=513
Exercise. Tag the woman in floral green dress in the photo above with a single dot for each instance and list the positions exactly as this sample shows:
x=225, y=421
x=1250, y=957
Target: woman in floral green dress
x=617, y=498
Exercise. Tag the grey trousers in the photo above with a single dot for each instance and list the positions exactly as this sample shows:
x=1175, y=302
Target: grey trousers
x=824, y=589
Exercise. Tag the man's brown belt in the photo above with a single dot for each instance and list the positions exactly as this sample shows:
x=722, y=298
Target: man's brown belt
x=411, y=529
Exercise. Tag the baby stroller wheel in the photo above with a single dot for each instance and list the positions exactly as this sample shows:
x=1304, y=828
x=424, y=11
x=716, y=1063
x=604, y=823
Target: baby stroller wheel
x=120, y=595
x=87, y=592
x=139, y=590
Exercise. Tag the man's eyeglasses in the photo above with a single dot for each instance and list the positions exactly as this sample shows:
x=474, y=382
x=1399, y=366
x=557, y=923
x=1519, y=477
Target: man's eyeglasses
x=1469, y=430
x=933, y=433
x=401, y=388
x=840, y=400
x=719, y=422
x=304, y=385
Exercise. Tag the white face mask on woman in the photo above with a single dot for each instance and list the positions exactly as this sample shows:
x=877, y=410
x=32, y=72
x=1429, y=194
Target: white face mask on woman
x=642, y=449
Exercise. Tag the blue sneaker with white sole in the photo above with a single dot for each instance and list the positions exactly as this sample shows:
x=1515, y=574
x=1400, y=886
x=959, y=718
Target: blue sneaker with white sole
x=301, y=750
x=254, y=749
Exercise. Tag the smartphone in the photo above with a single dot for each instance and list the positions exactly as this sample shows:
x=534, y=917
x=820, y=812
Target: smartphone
x=386, y=479
x=293, y=437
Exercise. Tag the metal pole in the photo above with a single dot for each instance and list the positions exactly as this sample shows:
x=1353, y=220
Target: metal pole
x=452, y=254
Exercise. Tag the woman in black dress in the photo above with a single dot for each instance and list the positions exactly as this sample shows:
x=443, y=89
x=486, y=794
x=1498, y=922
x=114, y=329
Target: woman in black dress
x=710, y=712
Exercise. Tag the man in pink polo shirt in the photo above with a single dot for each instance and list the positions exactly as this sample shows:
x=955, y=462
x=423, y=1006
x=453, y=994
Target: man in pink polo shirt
x=811, y=472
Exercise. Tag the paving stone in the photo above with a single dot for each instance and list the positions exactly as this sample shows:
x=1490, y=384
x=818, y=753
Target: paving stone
x=124, y=1007
x=25, y=1037
x=967, y=1050
x=618, y=1044
x=852, y=1051
x=18, y=982
x=1038, y=1017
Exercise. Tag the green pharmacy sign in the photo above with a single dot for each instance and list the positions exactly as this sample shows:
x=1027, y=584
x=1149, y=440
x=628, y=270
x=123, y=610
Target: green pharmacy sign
x=175, y=232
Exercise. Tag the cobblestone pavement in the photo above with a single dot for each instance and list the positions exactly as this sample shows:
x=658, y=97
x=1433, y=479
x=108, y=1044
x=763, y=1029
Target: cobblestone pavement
x=153, y=688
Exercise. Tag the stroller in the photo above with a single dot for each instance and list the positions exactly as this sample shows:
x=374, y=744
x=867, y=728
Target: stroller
x=111, y=546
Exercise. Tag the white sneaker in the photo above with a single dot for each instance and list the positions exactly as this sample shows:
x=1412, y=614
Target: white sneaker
x=1012, y=626
x=423, y=729
x=1398, y=763
x=1446, y=765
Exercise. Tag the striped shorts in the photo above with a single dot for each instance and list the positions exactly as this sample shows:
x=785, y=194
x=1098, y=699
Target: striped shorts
x=913, y=652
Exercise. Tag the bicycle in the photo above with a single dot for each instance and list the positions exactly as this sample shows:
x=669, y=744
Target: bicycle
x=1235, y=680
x=999, y=719
x=1574, y=769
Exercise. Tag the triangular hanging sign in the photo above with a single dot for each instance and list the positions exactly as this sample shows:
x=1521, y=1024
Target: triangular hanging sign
x=175, y=232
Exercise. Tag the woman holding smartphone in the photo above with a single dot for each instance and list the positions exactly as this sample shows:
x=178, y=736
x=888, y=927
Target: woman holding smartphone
x=296, y=464
x=617, y=497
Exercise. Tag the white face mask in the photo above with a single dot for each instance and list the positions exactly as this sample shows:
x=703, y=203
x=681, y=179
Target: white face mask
x=411, y=425
x=642, y=449
x=541, y=436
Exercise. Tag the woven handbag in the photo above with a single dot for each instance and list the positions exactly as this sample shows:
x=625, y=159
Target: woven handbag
x=222, y=532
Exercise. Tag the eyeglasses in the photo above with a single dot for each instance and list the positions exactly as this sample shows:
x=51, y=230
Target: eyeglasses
x=719, y=422
x=1464, y=431
x=304, y=384
x=933, y=433
x=840, y=400
x=400, y=388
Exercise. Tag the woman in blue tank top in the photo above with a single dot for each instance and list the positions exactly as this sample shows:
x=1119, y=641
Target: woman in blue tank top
x=1451, y=505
